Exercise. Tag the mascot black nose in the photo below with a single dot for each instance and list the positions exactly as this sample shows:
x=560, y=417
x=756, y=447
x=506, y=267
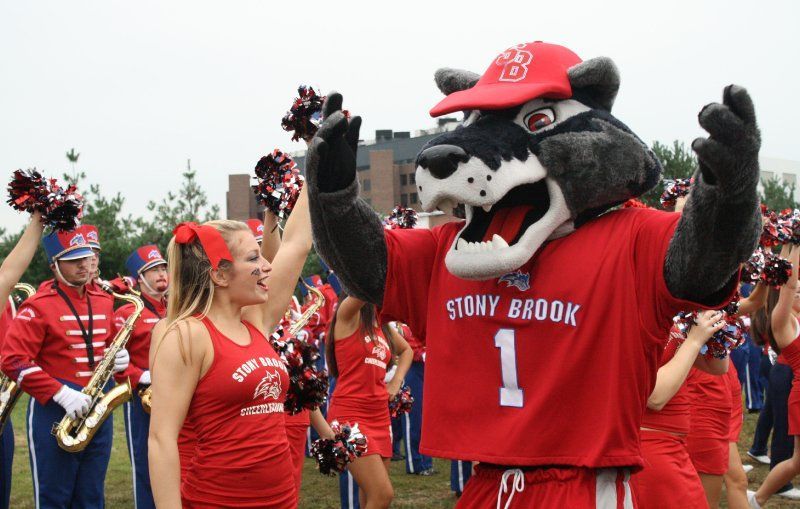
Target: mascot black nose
x=442, y=160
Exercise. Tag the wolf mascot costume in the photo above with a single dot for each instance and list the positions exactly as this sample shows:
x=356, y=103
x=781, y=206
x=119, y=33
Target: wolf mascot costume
x=545, y=311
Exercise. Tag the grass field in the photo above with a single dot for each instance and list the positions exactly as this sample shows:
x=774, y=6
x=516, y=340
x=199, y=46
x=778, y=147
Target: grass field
x=318, y=492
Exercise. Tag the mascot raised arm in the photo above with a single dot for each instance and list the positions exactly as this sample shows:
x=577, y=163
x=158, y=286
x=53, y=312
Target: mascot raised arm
x=545, y=311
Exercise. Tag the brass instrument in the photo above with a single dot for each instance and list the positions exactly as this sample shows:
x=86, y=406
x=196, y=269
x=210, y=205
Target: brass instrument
x=146, y=393
x=319, y=301
x=73, y=435
x=9, y=390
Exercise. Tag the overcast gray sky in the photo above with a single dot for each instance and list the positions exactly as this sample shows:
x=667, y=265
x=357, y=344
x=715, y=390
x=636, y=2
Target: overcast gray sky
x=139, y=87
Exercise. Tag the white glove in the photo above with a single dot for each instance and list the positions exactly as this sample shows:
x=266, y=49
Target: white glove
x=121, y=361
x=74, y=402
x=145, y=378
x=303, y=335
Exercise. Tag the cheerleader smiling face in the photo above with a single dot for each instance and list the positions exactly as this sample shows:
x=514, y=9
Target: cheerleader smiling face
x=245, y=280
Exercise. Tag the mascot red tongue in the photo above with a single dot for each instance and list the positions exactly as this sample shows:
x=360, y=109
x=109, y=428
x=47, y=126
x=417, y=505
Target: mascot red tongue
x=507, y=223
x=542, y=345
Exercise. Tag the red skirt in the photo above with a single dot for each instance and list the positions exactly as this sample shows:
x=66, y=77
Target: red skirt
x=668, y=474
x=709, y=455
x=297, y=450
x=375, y=425
x=794, y=410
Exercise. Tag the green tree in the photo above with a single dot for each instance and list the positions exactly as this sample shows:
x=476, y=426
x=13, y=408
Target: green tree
x=72, y=157
x=777, y=194
x=677, y=160
x=190, y=203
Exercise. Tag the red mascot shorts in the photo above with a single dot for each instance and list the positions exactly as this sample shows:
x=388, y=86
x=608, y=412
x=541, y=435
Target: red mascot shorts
x=547, y=488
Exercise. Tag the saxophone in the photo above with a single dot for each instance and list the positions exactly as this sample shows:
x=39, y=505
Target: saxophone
x=9, y=390
x=73, y=435
x=319, y=301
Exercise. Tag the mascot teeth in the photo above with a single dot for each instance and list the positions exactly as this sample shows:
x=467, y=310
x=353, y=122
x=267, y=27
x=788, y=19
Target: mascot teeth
x=497, y=242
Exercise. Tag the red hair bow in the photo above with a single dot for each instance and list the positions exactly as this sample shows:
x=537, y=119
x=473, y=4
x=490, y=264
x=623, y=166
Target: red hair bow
x=210, y=239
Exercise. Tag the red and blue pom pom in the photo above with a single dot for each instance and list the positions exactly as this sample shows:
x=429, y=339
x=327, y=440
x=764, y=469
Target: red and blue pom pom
x=308, y=386
x=305, y=115
x=674, y=189
x=332, y=456
x=776, y=270
x=401, y=403
x=278, y=183
x=401, y=218
x=730, y=337
x=754, y=267
x=61, y=208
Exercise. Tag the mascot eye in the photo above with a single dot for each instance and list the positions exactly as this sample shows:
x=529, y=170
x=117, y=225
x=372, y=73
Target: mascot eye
x=540, y=118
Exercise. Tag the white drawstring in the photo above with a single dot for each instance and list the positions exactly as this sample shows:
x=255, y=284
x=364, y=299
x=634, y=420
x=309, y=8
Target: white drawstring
x=517, y=485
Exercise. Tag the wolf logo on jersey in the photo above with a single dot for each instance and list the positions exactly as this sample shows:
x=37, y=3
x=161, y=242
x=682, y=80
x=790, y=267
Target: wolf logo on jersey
x=518, y=279
x=269, y=387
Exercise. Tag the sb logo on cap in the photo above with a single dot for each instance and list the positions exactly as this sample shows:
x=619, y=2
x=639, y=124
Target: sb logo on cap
x=77, y=240
x=153, y=254
x=515, y=62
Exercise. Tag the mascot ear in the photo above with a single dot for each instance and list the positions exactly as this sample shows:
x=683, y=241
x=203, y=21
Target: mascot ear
x=596, y=80
x=454, y=80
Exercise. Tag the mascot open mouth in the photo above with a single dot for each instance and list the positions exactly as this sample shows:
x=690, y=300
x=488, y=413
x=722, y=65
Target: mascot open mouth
x=504, y=223
x=501, y=237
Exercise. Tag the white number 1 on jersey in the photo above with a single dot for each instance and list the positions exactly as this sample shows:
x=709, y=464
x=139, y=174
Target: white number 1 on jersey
x=510, y=393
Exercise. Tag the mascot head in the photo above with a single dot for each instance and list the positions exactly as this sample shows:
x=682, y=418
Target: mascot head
x=537, y=155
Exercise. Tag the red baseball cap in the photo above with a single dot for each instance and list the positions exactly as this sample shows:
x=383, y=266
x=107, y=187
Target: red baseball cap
x=519, y=74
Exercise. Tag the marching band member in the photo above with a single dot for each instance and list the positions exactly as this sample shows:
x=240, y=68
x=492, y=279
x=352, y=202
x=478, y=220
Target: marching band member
x=460, y=472
x=11, y=271
x=358, y=353
x=211, y=363
x=146, y=266
x=416, y=463
x=51, y=350
x=92, y=236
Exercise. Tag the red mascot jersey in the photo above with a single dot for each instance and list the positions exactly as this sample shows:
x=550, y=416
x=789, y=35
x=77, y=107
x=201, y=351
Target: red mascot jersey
x=551, y=364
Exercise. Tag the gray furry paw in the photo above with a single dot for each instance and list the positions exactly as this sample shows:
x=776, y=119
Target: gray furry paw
x=331, y=161
x=729, y=156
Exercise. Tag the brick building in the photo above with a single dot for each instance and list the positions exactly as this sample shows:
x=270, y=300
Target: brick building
x=385, y=170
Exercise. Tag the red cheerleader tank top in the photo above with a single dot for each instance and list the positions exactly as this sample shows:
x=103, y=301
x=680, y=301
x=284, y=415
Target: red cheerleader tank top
x=360, y=393
x=791, y=355
x=242, y=456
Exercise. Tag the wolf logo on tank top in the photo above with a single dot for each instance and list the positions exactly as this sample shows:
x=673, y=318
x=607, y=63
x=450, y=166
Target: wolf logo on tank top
x=269, y=387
